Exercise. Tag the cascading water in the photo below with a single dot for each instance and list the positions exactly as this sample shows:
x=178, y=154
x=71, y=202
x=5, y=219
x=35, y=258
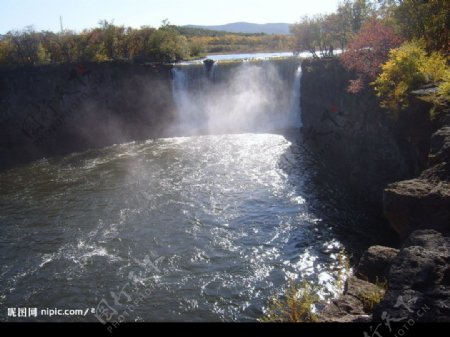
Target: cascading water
x=294, y=119
x=237, y=96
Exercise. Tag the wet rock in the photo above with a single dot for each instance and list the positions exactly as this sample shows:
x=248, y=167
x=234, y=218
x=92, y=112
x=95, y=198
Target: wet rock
x=419, y=276
x=208, y=64
x=374, y=264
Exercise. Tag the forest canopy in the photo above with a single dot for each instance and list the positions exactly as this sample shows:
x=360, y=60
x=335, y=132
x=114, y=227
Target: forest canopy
x=107, y=42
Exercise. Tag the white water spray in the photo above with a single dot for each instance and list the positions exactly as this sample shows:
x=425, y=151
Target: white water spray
x=294, y=119
x=237, y=97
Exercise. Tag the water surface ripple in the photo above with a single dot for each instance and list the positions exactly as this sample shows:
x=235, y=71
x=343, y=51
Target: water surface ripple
x=202, y=228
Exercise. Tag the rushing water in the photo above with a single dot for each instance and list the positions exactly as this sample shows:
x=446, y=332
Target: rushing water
x=220, y=217
x=198, y=228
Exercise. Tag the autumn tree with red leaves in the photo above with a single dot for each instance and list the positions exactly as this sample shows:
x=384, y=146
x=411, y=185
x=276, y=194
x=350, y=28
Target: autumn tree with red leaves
x=368, y=51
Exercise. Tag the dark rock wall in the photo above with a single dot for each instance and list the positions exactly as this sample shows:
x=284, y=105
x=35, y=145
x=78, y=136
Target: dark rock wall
x=423, y=202
x=58, y=109
x=399, y=164
x=355, y=136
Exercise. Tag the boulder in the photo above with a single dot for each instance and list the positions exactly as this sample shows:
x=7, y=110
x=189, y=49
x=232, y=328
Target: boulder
x=419, y=280
x=375, y=262
x=417, y=204
x=208, y=64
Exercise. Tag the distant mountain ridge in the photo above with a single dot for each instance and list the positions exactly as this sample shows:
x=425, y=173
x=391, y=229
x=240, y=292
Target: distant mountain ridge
x=249, y=28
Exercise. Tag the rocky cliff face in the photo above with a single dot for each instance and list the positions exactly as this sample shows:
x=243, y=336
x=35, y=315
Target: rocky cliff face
x=53, y=110
x=423, y=202
x=354, y=137
x=353, y=133
x=418, y=275
x=416, y=278
x=419, y=281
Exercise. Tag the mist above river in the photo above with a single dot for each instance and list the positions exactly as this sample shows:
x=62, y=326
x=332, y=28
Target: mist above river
x=237, y=96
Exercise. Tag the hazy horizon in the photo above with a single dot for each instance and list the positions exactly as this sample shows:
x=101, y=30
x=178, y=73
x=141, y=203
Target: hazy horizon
x=84, y=14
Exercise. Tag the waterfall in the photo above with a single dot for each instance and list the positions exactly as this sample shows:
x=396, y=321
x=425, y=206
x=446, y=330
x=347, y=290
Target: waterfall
x=294, y=119
x=185, y=114
x=237, y=96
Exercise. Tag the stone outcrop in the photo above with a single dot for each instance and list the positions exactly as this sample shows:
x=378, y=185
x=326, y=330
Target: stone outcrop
x=419, y=280
x=423, y=202
x=375, y=263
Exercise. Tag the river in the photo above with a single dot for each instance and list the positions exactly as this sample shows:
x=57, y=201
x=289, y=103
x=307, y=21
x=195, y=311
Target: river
x=203, y=227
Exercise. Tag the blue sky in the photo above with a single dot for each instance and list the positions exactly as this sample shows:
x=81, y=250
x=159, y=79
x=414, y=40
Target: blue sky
x=80, y=14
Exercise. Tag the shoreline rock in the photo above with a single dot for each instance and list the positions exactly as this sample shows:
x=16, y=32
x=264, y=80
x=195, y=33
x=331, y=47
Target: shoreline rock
x=375, y=263
x=419, y=280
x=417, y=287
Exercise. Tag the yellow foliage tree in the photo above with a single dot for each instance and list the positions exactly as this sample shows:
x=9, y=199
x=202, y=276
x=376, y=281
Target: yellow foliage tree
x=408, y=68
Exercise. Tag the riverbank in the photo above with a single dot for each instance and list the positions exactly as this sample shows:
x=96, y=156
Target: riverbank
x=402, y=167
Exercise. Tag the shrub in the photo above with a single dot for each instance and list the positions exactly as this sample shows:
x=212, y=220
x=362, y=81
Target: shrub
x=368, y=51
x=371, y=298
x=295, y=305
x=408, y=68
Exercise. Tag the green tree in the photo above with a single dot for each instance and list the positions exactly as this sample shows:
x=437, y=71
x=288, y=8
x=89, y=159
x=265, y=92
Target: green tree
x=49, y=40
x=26, y=47
x=362, y=10
x=168, y=45
x=307, y=35
x=341, y=24
x=112, y=37
x=6, y=52
x=323, y=33
x=427, y=20
x=385, y=9
x=138, y=42
x=71, y=47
